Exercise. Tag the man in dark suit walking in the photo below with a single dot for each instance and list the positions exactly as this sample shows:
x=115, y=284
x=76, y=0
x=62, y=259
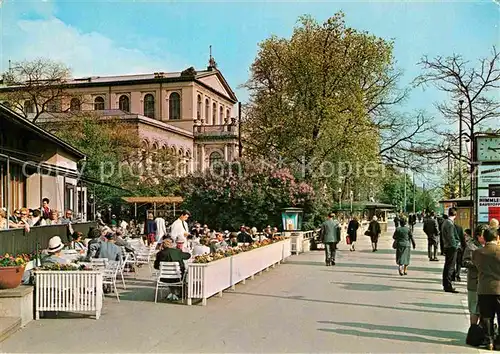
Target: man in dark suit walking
x=431, y=229
x=487, y=261
x=330, y=236
x=451, y=242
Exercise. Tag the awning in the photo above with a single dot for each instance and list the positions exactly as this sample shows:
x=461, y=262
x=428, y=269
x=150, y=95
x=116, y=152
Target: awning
x=157, y=200
x=53, y=170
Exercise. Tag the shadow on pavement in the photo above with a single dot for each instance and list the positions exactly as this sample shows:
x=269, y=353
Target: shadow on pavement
x=395, y=275
x=365, y=266
x=442, y=337
x=390, y=251
x=437, y=306
x=379, y=287
x=317, y=301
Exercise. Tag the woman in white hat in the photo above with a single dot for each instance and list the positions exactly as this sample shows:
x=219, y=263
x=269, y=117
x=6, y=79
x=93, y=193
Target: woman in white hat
x=54, y=250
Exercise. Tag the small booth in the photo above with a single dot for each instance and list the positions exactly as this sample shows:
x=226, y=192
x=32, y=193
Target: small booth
x=464, y=208
x=292, y=219
x=292, y=227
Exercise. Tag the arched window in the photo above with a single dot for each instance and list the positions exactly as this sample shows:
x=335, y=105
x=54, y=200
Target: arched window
x=28, y=107
x=221, y=115
x=74, y=105
x=214, y=114
x=207, y=110
x=124, y=103
x=198, y=108
x=215, y=158
x=228, y=115
x=149, y=106
x=99, y=104
x=174, y=106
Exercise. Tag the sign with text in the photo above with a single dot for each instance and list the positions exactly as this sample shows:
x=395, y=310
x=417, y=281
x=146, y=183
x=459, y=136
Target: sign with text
x=488, y=175
x=488, y=193
x=488, y=206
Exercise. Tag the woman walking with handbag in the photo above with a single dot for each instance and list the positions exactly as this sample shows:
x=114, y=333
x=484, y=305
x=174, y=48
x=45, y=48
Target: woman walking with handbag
x=352, y=232
x=402, y=238
x=374, y=232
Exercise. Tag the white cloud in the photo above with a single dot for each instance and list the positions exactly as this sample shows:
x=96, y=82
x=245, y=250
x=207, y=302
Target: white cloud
x=85, y=53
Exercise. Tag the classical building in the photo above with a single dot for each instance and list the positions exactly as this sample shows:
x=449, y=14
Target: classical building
x=190, y=112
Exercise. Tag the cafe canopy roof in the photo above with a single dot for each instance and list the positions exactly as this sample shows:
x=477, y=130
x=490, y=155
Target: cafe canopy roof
x=152, y=200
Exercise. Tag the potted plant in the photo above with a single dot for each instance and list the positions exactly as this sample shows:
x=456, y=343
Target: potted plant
x=12, y=270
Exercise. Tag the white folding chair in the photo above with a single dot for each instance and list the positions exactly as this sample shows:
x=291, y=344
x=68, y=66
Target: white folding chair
x=109, y=276
x=98, y=263
x=170, y=270
x=143, y=256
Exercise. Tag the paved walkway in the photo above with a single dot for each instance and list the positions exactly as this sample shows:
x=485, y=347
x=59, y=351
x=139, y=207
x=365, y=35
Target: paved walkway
x=360, y=305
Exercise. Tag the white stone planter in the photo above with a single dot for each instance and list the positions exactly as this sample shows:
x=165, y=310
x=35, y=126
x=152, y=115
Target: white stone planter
x=68, y=291
x=208, y=279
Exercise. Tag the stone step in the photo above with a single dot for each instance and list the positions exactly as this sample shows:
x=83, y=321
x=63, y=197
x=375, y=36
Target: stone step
x=9, y=326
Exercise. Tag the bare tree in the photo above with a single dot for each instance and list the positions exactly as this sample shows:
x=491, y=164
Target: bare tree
x=475, y=85
x=35, y=87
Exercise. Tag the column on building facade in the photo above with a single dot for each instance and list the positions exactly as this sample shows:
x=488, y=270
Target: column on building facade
x=226, y=156
x=202, y=160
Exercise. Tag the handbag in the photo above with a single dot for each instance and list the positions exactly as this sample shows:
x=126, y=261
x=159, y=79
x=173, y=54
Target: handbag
x=368, y=233
x=394, y=244
x=348, y=240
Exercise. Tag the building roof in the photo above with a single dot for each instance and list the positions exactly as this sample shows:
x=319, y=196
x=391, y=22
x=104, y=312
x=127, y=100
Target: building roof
x=10, y=115
x=158, y=200
x=187, y=75
x=57, y=117
x=456, y=200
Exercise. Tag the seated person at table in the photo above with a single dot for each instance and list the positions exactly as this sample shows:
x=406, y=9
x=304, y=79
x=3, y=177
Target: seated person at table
x=202, y=247
x=77, y=243
x=54, y=251
x=108, y=249
x=244, y=236
x=218, y=244
x=171, y=254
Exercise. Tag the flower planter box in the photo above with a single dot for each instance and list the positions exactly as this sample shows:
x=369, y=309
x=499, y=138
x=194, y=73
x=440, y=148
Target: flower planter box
x=68, y=291
x=208, y=279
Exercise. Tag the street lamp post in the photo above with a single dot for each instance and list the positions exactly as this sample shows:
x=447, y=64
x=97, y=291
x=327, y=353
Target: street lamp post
x=351, y=196
x=340, y=199
x=460, y=102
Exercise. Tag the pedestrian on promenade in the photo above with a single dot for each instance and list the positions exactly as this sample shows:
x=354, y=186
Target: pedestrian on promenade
x=412, y=220
x=374, y=231
x=440, y=221
x=460, y=252
x=396, y=220
x=330, y=236
x=472, y=244
x=451, y=242
x=403, y=240
x=352, y=232
x=431, y=229
x=487, y=261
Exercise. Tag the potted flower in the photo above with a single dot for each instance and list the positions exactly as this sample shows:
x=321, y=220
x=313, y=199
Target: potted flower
x=12, y=270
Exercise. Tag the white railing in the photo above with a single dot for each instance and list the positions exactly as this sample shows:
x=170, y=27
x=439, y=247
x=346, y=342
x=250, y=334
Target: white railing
x=208, y=279
x=68, y=291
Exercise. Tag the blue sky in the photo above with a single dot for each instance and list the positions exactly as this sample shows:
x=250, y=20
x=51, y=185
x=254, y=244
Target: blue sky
x=120, y=37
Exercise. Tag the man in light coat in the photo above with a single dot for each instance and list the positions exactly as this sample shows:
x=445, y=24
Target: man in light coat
x=179, y=229
x=330, y=236
x=487, y=261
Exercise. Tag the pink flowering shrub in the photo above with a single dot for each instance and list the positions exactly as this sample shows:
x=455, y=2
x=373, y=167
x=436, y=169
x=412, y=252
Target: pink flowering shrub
x=254, y=196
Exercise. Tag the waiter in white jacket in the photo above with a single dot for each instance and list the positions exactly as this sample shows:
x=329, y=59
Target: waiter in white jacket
x=179, y=229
